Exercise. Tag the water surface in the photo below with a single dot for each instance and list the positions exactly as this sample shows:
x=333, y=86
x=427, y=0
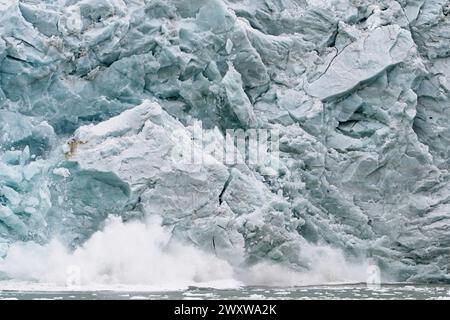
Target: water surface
x=390, y=292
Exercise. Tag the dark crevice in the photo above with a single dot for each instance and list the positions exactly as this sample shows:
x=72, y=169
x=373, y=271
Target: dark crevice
x=227, y=183
x=214, y=245
x=18, y=59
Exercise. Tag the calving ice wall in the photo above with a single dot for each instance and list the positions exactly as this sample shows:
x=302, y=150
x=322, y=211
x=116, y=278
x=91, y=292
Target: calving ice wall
x=92, y=92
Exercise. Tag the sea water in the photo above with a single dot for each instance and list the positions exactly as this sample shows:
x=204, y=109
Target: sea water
x=329, y=292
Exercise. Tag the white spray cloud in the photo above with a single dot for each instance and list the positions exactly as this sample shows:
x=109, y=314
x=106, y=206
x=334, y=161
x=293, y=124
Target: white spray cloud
x=133, y=253
x=142, y=256
x=326, y=265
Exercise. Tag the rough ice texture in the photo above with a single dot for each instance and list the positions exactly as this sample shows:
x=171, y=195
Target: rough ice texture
x=92, y=91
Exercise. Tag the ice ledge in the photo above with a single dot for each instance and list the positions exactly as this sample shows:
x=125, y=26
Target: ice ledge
x=362, y=60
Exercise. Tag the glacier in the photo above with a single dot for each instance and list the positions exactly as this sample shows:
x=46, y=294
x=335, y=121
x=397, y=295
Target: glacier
x=99, y=99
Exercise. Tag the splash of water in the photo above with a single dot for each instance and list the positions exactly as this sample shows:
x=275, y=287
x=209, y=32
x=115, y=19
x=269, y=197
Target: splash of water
x=143, y=255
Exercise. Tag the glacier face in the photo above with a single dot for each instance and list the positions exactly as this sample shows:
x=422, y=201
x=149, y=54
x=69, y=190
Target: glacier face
x=97, y=97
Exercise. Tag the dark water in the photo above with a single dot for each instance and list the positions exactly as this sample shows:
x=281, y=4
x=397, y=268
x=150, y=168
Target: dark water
x=302, y=293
